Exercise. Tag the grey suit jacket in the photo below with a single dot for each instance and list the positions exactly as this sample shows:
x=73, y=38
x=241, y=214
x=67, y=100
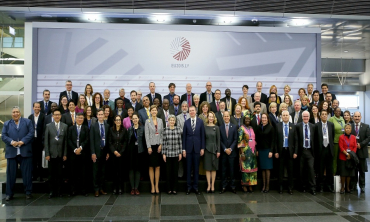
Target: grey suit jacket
x=263, y=108
x=180, y=120
x=56, y=148
x=150, y=132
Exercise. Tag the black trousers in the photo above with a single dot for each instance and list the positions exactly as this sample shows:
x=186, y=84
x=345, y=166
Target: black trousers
x=99, y=172
x=55, y=166
x=117, y=171
x=227, y=167
x=306, y=168
x=285, y=160
x=325, y=162
x=37, y=159
x=172, y=169
x=360, y=173
x=78, y=173
x=11, y=173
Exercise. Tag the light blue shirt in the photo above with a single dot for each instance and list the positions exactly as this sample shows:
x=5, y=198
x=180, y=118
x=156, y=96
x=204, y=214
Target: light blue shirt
x=309, y=135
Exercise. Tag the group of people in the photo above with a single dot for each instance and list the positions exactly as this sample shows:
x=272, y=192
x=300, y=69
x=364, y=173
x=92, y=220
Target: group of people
x=188, y=135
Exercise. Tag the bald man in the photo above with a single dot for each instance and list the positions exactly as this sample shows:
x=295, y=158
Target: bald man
x=188, y=96
x=208, y=95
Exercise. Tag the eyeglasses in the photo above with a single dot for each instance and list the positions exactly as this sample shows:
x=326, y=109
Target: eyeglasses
x=117, y=120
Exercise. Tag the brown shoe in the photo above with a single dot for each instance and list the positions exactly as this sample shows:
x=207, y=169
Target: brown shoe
x=137, y=192
x=132, y=192
x=102, y=192
x=96, y=193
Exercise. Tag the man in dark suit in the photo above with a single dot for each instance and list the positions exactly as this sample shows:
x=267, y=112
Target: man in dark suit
x=324, y=90
x=215, y=105
x=71, y=95
x=220, y=114
x=17, y=134
x=49, y=118
x=144, y=113
x=297, y=114
x=286, y=150
x=176, y=105
x=334, y=105
x=37, y=120
x=122, y=96
x=315, y=98
x=305, y=137
x=324, y=145
x=188, y=96
x=165, y=112
x=78, y=137
x=362, y=133
x=152, y=95
x=99, y=145
x=70, y=117
x=208, y=95
x=229, y=140
x=263, y=96
x=46, y=103
x=55, y=144
x=171, y=88
x=134, y=104
x=229, y=101
x=193, y=144
x=257, y=120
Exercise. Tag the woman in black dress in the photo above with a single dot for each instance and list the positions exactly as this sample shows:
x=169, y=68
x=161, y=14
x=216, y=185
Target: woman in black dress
x=117, y=145
x=134, y=153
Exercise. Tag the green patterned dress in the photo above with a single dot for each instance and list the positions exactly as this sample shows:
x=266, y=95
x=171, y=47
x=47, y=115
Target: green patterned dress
x=248, y=167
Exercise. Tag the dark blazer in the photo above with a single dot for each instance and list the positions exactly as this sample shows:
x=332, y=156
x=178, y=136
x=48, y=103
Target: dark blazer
x=263, y=98
x=143, y=116
x=312, y=120
x=300, y=137
x=266, y=138
x=125, y=101
x=157, y=95
x=124, y=113
x=86, y=123
x=83, y=140
x=318, y=104
x=321, y=97
x=231, y=141
x=169, y=98
x=364, y=134
x=95, y=140
x=39, y=128
x=74, y=96
x=193, y=141
x=236, y=122
x=273, y=120
x=254, y=123
x=319, y=140
x=118, y=140
x=203, y=97
x=67, y=119
x=137, y=107
x=292, y=143
x=56, y=148
x=268, y=107
x=184, y=97
x=24, y=133
x=42, y=106
x=140, y=138
x=220, y=118
x=292, y=114
x=162, y=116
x=214, y=106
x=233, y=103
x=178, y=109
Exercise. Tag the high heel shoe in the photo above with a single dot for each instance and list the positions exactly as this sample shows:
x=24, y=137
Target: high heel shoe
x=114, y=192
x=263, y=190
x=341, y=191
x=208, y=191
x=119, y=191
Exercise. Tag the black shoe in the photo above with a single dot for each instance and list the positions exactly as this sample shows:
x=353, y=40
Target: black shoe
x=208, y=191
x=321, y=190
x=362, y=190
x=304, y=191
x=84, y=194
x=233, y=190
x=313, y=192
x=290, y=192
x=330, y=189
x=212, y=191
x=348, y=191
x=29, y=196
x=342, y=192
x=197, y=192
x=266, y=191
x=114, y=192
x=223, y=191
x=51, y=195
x=187, y=192
x=281, y=190
x=7, y=198
x=120, y=192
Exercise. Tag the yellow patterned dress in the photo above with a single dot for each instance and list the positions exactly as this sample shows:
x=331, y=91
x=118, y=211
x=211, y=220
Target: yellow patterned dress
x=248, y=167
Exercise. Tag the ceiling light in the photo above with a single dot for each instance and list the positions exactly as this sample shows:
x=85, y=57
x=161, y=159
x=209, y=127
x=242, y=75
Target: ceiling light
x=226, y=20
x=345, y=51
x=160, y=18
x=299, y=22
x=46, y=16
x=93, y=17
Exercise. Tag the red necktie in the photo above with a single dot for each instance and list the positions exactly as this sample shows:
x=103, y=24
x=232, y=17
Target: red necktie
x=258, y=119
x=218, y=108
x=189, y=101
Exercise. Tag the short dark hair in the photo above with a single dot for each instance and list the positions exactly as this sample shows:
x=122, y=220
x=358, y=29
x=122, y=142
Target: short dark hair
x=218, y=90
x=133, y=91
x=71, y=101
x=256, y=103
x=316, y=91
x=45, y=90
x=35, y=103
x=324, y=84
x=56, y=111
x=273, y=94
x=99, y=110
x=177, y=96
x=171, y=84
x=322, y=111
x=245, y=86
x=80, y=114
x=328, y=93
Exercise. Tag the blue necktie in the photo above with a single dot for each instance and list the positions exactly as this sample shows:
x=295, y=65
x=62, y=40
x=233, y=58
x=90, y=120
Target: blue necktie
x=209, y=97
x=176, y=111
x=286, y=135
x=102, y=142
x=46, y=107
x=306, y=136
